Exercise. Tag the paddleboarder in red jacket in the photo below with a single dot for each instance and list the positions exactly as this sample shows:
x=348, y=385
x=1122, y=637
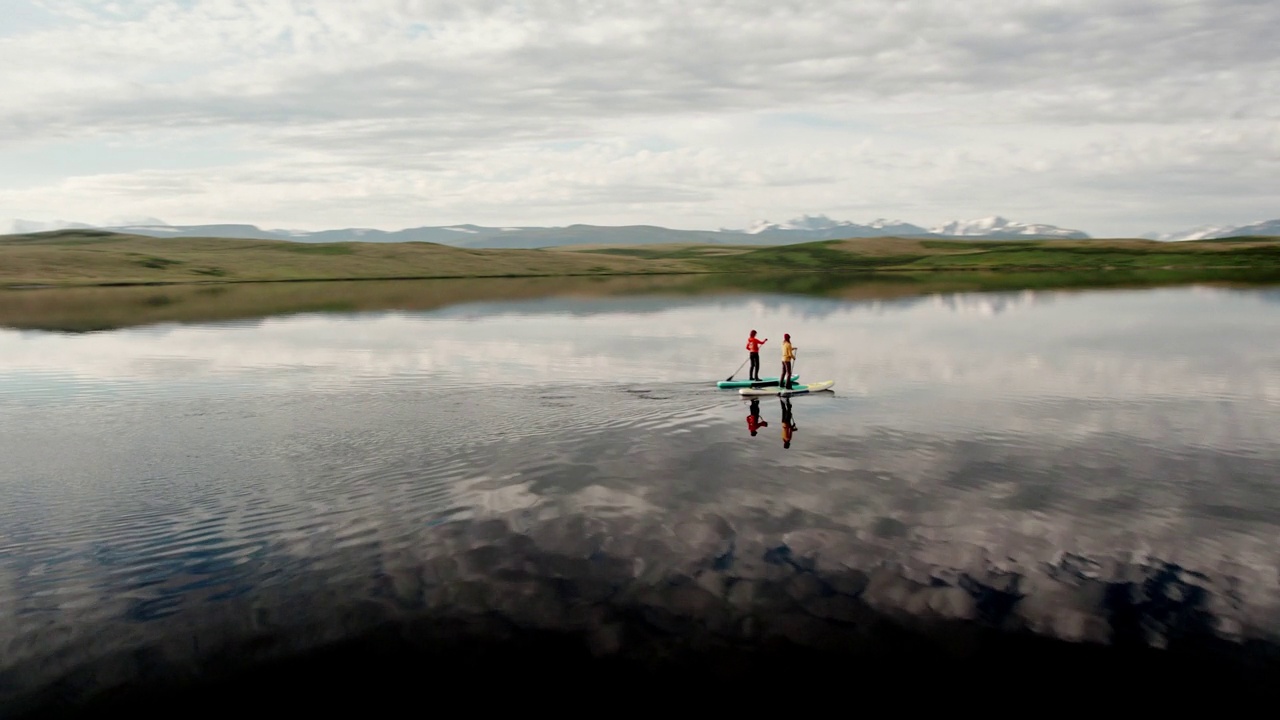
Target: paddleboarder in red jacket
x=753, y=347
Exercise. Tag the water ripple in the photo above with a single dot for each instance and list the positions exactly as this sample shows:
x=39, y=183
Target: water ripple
x=313, y=497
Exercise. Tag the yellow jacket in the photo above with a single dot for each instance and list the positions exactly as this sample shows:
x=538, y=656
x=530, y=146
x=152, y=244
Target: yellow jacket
x=788, y=352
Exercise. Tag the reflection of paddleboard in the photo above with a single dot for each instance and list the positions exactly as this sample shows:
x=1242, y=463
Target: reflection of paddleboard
x=787, y=392
x=762, y=382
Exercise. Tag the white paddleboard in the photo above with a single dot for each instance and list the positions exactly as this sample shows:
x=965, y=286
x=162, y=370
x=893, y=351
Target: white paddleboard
x=785, y=392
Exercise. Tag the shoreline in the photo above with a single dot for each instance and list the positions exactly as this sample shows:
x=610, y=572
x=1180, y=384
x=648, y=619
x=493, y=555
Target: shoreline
x=512, y=276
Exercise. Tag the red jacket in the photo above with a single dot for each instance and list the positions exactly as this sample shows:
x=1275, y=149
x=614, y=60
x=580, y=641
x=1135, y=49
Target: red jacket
x=753, y=344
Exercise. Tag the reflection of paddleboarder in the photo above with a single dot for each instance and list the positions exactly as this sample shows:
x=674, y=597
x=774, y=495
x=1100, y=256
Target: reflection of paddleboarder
x=754, y=421
x=788, y=426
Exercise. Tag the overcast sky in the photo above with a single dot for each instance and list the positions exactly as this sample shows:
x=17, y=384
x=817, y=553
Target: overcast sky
x=1115, y=117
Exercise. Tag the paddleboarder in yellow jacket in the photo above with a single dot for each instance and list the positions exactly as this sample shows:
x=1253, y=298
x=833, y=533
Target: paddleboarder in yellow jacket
x=788, y=356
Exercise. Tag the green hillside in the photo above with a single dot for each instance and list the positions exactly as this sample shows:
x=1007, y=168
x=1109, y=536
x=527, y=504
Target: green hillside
x=90, y=257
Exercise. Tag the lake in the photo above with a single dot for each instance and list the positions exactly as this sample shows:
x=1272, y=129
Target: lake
x=556, y=479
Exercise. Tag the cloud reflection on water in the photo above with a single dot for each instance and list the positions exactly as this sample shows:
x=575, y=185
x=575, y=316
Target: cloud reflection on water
x=1077, y=344
x=1076, y=445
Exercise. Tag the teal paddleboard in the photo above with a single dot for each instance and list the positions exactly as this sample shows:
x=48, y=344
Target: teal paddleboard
x=762, y=382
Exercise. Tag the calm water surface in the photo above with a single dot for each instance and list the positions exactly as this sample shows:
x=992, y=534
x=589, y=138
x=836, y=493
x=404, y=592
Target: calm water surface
x=1043, y=462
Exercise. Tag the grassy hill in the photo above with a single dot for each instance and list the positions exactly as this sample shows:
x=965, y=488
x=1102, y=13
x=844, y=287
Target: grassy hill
x=913, y=255
x=88, y=257
x=93, y=257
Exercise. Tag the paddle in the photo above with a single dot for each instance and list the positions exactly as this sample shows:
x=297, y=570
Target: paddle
x=735, y=372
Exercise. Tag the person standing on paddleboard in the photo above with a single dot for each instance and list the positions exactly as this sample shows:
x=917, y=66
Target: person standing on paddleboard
x=753, y=347
x=788, y=356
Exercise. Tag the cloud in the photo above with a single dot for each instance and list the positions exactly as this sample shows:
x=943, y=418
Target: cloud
x=907, y=99
x=271, y=64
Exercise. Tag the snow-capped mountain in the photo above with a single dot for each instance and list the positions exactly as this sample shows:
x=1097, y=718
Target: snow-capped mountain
x=821, y=227
x=1265, y=227
x=1200, y=233
x=1210, y=232
x=998, y=227
x=804, y=222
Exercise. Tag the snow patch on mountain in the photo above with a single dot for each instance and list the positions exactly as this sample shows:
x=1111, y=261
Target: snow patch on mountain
x=996, y=226
x=989, y=227
x=1211, y=232
x=1200, y=233
x=804, y=222
x=1265, y=227
x=822, y=227
x=145, y=228
x=290, y=232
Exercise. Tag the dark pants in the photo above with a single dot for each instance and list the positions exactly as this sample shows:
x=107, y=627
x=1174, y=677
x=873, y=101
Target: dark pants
x=755, y=366
x=784, y=380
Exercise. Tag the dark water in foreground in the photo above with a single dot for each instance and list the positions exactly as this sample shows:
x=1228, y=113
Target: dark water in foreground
x=553, y=493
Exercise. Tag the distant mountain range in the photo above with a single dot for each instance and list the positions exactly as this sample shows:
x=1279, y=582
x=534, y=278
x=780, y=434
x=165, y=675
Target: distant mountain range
x=803, y=229
x=815, y=227
x=1266, y=227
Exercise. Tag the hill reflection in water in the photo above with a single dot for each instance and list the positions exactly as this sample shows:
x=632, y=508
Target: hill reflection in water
x=347, y=512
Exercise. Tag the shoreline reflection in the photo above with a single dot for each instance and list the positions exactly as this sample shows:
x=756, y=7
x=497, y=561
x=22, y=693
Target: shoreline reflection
x=1093, y=472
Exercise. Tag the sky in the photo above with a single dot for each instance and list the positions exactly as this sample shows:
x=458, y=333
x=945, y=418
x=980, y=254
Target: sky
x=1115, y=117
